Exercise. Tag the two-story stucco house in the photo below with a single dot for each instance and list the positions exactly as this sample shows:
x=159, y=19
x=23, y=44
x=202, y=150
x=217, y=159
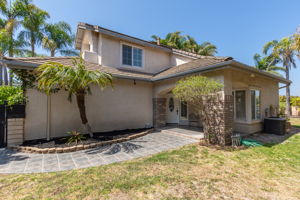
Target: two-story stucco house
x=144, y=75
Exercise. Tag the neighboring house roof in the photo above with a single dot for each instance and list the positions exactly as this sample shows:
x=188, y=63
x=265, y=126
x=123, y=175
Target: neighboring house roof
x=203, y=64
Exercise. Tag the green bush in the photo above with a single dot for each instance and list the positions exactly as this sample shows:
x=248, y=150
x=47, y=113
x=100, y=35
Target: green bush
x=11, y=95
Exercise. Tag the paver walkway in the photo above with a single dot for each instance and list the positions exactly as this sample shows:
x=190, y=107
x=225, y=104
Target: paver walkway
x=17, y=162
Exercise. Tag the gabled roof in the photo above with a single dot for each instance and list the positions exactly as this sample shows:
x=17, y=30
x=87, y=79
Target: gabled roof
x=203, y=64
x=195, y=64
x=84, y=26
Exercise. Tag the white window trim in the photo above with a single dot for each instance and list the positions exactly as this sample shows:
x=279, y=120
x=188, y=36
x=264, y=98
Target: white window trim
x=247, y=99
x=187, y=112
x=234, y=102
x=256, y=120
x=132, y=66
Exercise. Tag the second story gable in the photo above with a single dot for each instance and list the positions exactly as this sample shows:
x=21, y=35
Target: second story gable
x=108, y=48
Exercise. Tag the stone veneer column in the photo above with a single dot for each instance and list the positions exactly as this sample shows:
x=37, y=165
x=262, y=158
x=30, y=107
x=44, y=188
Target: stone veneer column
x=15, y=131
x=220, y=113
x=228, y=119
x=159, y=112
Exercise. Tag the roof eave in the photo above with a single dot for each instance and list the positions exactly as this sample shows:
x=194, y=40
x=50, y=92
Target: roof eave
x=31, y=66
x=84, y=26
x=196, y=70
x=254, y=70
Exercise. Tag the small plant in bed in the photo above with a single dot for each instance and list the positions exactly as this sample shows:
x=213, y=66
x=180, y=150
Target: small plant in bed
x=75, y=137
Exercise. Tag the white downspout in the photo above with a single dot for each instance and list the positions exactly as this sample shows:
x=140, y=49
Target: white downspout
x=48, y=117
x=99, y=49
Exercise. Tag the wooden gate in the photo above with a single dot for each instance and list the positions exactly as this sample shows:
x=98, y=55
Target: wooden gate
x=2, y=126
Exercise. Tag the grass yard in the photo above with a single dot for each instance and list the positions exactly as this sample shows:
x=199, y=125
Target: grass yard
x=192, y=172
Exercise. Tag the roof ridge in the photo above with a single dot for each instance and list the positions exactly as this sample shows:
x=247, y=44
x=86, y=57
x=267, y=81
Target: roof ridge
x=201, y=56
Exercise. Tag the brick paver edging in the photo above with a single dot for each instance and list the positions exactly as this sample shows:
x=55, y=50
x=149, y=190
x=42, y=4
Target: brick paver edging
x=27, y=149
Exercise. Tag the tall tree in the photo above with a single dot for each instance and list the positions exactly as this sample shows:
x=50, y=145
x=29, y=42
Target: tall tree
x=285, y=51
x=33, y=24
x=12, y=13
x=187, y=43
x=296, y=45
x=76, y=80
x=268, y=63
x=206, y=49
x=59, y=38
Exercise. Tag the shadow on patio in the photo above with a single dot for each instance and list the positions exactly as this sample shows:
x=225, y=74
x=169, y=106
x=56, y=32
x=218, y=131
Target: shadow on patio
x=127, y=147
x=8, y=156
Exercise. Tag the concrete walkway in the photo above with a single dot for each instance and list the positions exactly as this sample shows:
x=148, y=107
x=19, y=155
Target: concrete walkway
x=185, y=131
x=16, y=162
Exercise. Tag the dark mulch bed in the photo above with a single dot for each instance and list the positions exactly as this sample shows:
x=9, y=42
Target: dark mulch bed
x=62, y=141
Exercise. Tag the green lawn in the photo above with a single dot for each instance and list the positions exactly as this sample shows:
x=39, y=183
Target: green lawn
x=295, y=122
x=192, y=172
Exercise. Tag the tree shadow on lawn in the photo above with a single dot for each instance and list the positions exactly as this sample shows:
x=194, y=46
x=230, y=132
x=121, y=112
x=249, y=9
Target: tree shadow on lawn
x=127, y=147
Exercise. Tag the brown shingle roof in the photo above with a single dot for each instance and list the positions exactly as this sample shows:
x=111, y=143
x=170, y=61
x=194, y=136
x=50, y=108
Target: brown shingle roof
x=195, y=64
x=36, y=61
x=201, y=64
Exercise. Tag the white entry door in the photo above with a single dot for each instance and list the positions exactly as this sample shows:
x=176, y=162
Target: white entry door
x=172, y=110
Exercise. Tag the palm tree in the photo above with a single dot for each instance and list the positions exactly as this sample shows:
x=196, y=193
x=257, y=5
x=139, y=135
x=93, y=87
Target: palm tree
x=190, y=44
x=13, y=12
x=206, y=49
x=296, y=45
x=186, y=43
x=33, y=24
x=267, y=63
x=75, y=79
x=284, y=50
x=59, y=38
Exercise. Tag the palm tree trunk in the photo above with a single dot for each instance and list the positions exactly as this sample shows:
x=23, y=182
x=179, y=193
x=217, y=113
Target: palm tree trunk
x=32, y=49
x=11, y=46
x=288, y=94
x=52, y=53
x=80, y=97
x=5, y=75
x=1, y=74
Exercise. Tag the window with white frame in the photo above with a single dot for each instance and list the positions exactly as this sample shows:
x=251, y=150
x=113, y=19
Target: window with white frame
x=255, y=105
x=240, y=104
x=132, y=56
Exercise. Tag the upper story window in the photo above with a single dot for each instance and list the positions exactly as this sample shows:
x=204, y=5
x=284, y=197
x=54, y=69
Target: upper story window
x=255, y=105
x=132, y=56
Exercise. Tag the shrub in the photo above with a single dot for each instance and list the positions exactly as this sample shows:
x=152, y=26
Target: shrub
x=11, y=95
x=192, y=90
x=75, y=137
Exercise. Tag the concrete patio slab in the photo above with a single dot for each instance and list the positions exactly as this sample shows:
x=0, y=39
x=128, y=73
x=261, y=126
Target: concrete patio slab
x=185, y=131
x=17, y=162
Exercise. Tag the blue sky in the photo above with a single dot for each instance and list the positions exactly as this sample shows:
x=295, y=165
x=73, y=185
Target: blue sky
x=238, y=28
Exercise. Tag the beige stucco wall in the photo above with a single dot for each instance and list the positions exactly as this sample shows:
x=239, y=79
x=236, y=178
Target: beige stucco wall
x=108, y=51
x=240, y=80
x=127, y=106
x=36, y=115
x=154, y=60
x=236, y=80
